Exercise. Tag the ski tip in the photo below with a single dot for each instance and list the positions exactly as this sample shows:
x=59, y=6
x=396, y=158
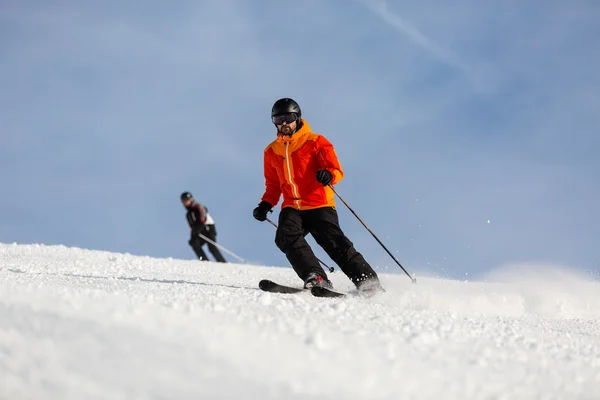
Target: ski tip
x=265, y=284
x=273, y=287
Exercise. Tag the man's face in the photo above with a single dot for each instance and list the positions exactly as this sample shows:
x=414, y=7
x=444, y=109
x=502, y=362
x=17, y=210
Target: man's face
x=286, y=128
x=186, y=202
x=286, y=123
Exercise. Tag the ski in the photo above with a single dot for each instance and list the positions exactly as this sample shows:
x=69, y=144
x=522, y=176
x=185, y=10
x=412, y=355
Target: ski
x=272, y=287
x=318, y=291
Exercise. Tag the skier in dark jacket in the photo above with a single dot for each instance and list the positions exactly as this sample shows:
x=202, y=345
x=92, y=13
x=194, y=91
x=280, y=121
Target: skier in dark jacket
x=202, y=228
x=302, y=165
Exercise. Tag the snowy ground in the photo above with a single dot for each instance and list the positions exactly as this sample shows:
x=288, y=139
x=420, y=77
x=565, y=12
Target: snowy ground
x=81, y=324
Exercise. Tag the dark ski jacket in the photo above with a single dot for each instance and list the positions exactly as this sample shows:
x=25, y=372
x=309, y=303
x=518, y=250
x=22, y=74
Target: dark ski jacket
x=197, y=216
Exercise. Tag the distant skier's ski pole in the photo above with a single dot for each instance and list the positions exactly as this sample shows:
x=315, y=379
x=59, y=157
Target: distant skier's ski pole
x=414, y=280
x=222, y=248
x=330, y=269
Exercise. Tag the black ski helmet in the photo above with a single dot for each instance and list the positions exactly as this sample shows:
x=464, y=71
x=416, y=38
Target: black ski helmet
x=186, y=196
x=286, y=106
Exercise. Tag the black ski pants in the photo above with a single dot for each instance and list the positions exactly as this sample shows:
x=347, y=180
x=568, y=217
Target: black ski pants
x=323, y=224
x=198, y=241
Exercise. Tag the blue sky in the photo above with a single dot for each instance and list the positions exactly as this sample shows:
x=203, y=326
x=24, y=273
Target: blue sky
x=444, y=117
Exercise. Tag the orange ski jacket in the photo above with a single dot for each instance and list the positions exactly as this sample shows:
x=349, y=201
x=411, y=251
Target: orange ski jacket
x=291, y=165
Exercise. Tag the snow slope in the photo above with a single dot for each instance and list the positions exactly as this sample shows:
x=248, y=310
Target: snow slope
x=81, y=324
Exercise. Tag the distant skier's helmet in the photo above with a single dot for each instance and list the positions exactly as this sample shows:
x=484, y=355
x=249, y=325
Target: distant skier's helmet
x=286, y=106
x=186, y=196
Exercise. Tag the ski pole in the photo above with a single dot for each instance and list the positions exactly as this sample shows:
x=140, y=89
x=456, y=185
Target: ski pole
x=330, y=269
x=222, y=248
x=414, y=280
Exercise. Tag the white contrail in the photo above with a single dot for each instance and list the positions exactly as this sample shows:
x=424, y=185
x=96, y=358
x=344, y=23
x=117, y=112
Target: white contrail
x=380, y=8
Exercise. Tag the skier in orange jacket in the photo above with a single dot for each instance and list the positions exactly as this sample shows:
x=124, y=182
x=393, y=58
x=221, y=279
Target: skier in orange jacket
x=301, y=166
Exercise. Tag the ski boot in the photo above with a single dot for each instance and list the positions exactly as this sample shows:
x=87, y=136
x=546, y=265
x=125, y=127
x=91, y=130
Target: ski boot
x=317, y=280
x=369, y=287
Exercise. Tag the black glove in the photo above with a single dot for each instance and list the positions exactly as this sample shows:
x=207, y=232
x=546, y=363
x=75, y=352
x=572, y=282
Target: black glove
x=324, y=177
x=260, y=212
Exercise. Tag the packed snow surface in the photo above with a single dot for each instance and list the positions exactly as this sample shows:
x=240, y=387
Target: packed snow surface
x=83, y=324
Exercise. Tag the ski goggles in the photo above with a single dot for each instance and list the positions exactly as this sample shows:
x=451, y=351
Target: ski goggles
x=281, y=118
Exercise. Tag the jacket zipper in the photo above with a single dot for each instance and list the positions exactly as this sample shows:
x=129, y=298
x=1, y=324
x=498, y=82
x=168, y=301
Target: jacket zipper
x=294, y=188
